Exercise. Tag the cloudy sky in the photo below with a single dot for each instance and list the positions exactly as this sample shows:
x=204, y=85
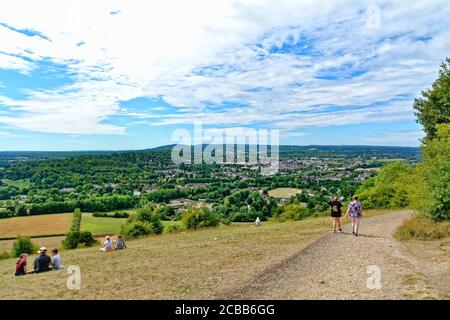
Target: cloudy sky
x=85, y=75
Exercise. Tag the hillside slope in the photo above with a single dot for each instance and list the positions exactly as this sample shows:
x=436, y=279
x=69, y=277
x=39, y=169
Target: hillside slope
x=292, y=260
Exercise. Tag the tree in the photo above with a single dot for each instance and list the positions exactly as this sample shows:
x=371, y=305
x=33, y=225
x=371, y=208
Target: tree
x=388, y=189
x=433, y=107
x=430, y=191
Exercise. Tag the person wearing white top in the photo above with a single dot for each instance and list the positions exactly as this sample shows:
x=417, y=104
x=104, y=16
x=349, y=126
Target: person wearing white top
x=107, y=245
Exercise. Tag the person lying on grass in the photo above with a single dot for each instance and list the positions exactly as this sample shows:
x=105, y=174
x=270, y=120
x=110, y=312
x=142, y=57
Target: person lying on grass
x=107, y=245
x=119, y=244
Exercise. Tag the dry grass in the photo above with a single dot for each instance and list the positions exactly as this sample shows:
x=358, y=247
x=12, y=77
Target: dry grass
x=283, y=192
x=421, y=228
x=35, y=225
x=49, y=242
x=186, y=265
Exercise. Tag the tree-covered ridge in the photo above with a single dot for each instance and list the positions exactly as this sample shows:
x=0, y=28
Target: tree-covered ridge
x=426, y=187
x=116, y=180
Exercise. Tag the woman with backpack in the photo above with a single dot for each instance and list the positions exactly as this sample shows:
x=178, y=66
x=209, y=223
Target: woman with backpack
x=355, y=212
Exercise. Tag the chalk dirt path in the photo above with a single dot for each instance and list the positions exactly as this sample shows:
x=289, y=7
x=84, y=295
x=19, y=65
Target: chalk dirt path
x=335, y=267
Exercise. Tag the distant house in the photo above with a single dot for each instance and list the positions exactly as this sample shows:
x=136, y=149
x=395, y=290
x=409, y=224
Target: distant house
x=67, y=189
x=136, y=193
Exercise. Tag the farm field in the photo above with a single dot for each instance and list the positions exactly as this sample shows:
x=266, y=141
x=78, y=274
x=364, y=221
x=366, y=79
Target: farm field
x=97, y=225
x=283, y=192
x=49, y=242
x=35, y=225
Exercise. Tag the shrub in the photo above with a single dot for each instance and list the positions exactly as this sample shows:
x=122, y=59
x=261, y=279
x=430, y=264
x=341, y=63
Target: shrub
x=4, y=255
x=136, y=229
x=430, y=187
x=388, y=189
x=72, y=240
x=150, y=216
x=23, y=245
x=21, y=210
x=76, y=221
x=422, y=228
x=173, y=228
x=120, y=215
x=86, y=238
x=194, y=218
x=292, y=212
x=225, y=221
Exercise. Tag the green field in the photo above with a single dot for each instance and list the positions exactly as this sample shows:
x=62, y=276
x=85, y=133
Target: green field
x=101, y=226
x=24, y=183
x=98, y=225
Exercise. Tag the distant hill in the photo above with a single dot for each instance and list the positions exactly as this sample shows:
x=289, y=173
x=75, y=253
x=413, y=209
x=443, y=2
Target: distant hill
x=410, y=153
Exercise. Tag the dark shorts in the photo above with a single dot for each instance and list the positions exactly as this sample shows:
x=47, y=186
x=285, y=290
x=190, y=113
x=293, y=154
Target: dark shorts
x=336, y=214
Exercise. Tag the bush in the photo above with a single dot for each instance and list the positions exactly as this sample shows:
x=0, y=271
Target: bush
x=247, y=217
x=119, y=215
x=4, y=255
x=86, y=238
x=23, y=245
x=76, y=221
x=422, y=229
x=173, y=228
x=72, y=240
x=136, y=229
x=225, y=221
x=194, y=218
x=430, y=187
x=150, y=216
x=146, y=221
x=292, y=212
x=388, y=189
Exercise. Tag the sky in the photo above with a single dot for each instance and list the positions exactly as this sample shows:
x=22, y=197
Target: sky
x=121, y=75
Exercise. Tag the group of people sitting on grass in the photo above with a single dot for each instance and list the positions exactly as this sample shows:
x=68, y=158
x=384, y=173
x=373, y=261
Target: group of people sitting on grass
x=42, y=262
x=117, y=244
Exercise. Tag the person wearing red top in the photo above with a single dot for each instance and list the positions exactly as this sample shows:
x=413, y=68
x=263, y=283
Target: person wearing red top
x=21, y=265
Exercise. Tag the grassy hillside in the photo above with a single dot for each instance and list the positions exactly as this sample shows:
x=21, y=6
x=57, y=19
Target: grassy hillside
x=187, y=265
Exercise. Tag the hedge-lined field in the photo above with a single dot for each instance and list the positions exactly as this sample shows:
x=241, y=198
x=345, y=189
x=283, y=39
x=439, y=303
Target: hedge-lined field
x=35, y=225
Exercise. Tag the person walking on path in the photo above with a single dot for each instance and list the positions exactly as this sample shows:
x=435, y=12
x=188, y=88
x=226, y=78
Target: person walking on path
x=336, y=213
x=355, y=211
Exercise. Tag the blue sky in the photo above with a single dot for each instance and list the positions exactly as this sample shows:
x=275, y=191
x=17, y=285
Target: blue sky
x=110, y=75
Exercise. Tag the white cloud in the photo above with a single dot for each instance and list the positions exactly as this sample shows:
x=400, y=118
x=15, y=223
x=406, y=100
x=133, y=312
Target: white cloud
x=199, y=55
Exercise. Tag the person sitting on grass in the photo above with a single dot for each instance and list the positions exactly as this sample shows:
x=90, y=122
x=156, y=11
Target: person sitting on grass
x=21, y=265
x=119, y=244
x=107, y=245
x=56, y=260
x=42, y=263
